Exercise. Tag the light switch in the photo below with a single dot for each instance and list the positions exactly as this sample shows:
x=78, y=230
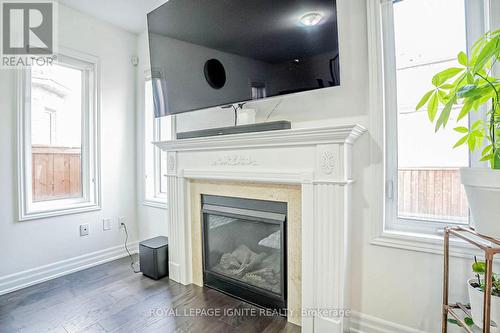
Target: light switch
x=106, y=224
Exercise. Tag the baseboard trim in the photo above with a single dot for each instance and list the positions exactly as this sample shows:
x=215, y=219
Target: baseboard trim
x=30, y=277
x=322, y=324
x=362, y=323
x=174, y=271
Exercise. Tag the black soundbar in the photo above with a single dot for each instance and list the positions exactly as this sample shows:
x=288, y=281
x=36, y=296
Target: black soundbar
x=259, y=127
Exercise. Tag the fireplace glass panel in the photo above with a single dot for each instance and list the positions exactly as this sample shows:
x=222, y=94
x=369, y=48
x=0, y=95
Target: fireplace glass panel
x=244, y=249
x=247, y=251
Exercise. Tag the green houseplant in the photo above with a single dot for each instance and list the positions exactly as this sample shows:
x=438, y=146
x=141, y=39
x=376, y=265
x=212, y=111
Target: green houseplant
x=472, y=86
x=476, y=296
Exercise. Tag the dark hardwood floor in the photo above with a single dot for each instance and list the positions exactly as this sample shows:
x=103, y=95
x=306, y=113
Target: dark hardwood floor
x=111, y=298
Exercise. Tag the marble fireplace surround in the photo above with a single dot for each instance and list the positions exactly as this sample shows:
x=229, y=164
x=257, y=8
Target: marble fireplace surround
x=318, y=160
x=271, y=192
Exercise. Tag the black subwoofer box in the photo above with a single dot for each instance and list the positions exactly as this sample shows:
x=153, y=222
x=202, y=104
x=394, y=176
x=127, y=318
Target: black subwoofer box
x=153, y=257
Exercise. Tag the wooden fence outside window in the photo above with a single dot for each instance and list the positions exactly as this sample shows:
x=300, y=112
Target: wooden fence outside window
x=56, y=172
x=434, y=194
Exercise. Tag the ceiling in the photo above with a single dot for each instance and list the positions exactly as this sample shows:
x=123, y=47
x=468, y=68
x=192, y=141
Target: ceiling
x=268, y=30
x=126, y=14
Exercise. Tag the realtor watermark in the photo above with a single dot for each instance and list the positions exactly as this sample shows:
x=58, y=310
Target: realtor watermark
x=246, y=312
x=28, y=33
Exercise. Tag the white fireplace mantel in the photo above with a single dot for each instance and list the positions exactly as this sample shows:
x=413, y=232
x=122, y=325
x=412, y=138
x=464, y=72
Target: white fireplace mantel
x=317, y=159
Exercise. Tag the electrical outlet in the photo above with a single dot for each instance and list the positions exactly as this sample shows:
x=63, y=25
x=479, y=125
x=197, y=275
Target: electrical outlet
x=121, y=221
x=84, y=229
x=106, y=224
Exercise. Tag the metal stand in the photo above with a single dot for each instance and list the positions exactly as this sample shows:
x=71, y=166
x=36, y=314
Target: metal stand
x=490, y=248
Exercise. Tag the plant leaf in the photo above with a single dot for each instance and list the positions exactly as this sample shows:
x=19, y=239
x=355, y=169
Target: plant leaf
x=475, y=104
x=445, y=75
x=478, y=134
x=446, y=86
x=468, y=321
x=460, y=80
x=445, y=114
x=479, y=267
x=443, y=96
x=487, y=52
x=461, y=129
x=424, y=99
x=477, y=124
x=465, y=89
x=488, y=157
x=461, y=141
x=487, y=149
x=472, y=142
x=462, y=59
x=432, y=107
x=470, y=78
x=465, y=110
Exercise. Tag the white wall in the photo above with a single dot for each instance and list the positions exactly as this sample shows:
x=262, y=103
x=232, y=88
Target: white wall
x=152, y=221
x=55, y=242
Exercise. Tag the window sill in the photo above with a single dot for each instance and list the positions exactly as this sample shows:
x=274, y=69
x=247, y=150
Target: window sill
x=426, y=243
x=24, y=216
x=156, y=204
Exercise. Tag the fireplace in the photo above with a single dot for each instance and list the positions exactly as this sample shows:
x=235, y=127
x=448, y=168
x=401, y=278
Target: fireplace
x=311, y=170
x=245, y=249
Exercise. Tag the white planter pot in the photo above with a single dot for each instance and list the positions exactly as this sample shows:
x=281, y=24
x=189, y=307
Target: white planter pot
x=476, y=298
x=482, y=186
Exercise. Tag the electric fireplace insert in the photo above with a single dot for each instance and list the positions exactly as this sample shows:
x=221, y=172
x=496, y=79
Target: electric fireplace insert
x=244, y=249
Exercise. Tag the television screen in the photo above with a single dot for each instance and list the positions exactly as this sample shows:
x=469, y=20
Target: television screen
x=207, y=53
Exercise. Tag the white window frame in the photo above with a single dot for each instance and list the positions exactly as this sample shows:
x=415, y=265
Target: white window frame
x=90, y=153
x=388, y=229
x=152, y=195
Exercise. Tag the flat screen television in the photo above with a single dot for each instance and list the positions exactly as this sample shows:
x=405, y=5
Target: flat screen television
x=207, y=53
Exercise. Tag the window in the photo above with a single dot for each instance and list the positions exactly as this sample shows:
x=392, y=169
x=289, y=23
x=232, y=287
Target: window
x=422, y=37
x=155, y=129
x=58, y=138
